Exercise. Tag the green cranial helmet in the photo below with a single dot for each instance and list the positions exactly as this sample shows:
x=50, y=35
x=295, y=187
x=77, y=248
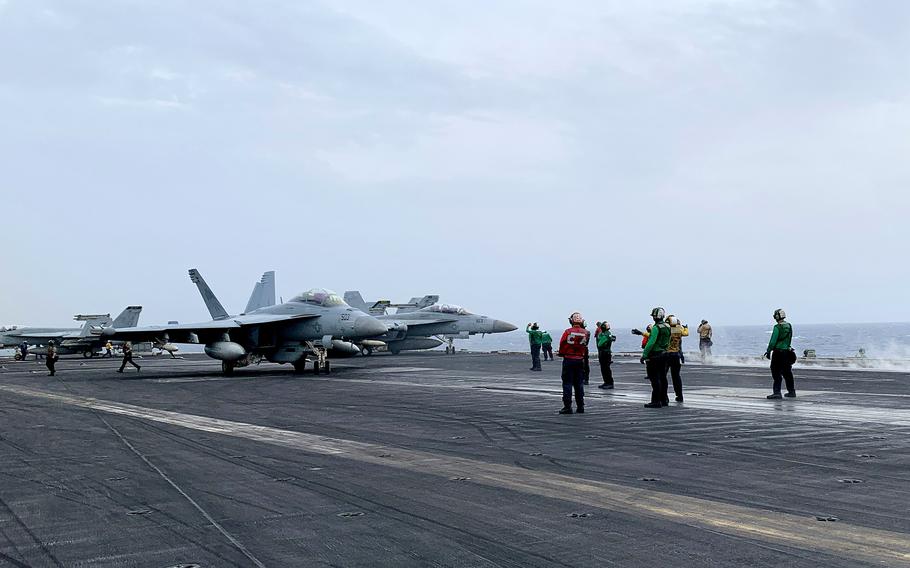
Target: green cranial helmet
x=658, y=313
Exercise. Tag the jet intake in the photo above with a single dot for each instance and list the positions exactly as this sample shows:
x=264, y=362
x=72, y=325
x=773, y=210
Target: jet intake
x=225, y=351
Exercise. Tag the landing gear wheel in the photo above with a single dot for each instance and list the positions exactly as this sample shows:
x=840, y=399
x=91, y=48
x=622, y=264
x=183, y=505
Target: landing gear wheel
x=328, y=368
x=300, y=366
x=395, y=351
x=366, y=350
x=87, y=353
x=315, y=367
x=227, y=368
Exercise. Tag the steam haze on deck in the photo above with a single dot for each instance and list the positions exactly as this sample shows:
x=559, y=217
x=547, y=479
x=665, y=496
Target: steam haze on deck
x=522, y=159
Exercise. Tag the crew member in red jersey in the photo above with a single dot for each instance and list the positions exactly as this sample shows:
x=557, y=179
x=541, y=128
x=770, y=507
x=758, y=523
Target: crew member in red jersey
x=573, y=347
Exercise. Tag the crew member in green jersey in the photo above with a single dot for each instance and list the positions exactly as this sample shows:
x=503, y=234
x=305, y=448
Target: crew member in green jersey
x=536, y=339
x=782, y=355
x=655, y=358
x=605, y=341
x=546, y=345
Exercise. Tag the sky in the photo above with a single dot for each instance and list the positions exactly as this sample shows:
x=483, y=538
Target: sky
x=524, y=159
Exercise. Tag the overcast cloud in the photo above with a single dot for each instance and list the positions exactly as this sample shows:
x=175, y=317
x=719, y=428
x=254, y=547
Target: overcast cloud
x=522, y=158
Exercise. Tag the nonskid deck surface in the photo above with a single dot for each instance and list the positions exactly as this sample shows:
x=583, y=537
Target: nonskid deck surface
x=448, y=461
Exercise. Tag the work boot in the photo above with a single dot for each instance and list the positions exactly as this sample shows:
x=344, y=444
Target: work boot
x=679, y=399
x=790, y=395
x=654, y=405
x=774, y=396
x=566, y=410
x=581, y=410
x=605, y=386
x=119, y=370
x=138, y=369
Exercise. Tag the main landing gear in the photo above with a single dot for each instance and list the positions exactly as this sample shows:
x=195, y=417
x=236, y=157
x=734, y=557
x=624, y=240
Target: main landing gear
x=227, y=368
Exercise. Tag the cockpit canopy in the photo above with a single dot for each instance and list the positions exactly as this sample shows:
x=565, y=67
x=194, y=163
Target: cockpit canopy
x=319, y=297
x=446, y=309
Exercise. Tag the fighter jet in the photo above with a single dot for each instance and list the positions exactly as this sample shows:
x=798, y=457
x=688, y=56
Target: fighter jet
x=428, y=326
x=283, y=333
x=86, y=340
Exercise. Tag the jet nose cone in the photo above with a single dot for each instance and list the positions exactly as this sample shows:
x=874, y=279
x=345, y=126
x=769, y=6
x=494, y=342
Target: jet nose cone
x=368, y=326
x=500, y=326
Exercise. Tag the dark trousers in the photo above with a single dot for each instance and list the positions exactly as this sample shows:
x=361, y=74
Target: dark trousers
x=674, y=365
x=535, y=356
x=547, y=351
x=606, y=359
x=573, y=376
x=704, y=345
x=127, y=358
x=656, y=367
x=587, y=368
x=782, y=370
x=51, y=363
x=109, y=354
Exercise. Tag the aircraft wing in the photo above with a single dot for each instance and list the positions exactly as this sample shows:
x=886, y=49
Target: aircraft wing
x=43, y=336
x=192, y=332
x=262, y=319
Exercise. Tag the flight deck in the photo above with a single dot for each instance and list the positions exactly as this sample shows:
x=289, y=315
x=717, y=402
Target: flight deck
x=447, y=460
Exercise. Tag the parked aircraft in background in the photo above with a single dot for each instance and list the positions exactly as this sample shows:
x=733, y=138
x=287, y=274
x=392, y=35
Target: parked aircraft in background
x=86, y=340
x=424, y=324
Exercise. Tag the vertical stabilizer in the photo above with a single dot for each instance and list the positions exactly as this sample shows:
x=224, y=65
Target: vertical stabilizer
x=263, y=293
x=211, y=302
x=417, y=303
x=128, y=317
x=355, y=300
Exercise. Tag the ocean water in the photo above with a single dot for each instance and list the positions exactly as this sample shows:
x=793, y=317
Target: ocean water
x=880, y=340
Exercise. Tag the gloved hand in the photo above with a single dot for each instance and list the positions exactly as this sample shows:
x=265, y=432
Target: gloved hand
x=682, y=358
x=637, y=332
x=642, y=360
x=767, y=354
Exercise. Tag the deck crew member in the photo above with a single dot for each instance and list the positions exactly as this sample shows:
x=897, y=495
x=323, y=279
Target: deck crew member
x=782, y=355
x=605, y=341
x=705, y=341
x=128, y=357
x=51, y=358
x=546, y=345
x=654, y=357
x=675, y=357
x=573, y=345
x=536, y=339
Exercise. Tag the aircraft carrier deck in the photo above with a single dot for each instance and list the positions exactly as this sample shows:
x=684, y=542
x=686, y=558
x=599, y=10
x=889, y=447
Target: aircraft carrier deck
x=434, y=460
